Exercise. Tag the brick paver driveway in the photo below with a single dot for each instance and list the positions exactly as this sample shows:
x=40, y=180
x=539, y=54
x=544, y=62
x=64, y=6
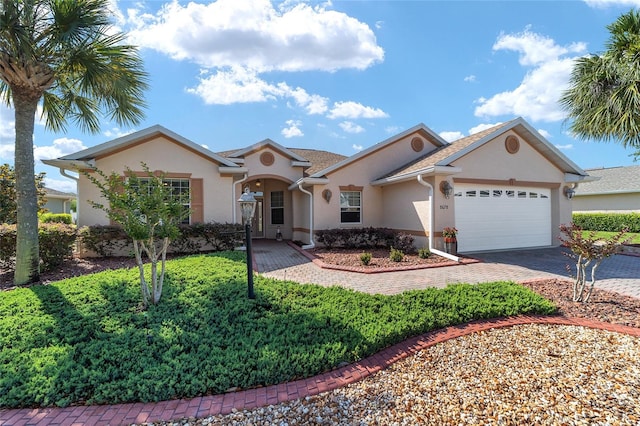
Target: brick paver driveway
x=619, y=273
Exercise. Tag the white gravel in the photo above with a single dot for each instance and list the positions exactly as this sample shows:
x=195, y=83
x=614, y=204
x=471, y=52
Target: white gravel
x=528, y=374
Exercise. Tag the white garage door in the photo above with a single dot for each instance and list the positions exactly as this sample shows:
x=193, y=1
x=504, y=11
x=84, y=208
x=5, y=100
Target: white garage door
x=492, y=217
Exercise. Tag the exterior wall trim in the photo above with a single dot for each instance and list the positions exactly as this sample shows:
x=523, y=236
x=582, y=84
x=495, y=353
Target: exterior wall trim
x=509, y=182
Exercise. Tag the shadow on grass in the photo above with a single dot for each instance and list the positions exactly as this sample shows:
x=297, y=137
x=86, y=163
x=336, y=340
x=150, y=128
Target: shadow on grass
x=95, y=346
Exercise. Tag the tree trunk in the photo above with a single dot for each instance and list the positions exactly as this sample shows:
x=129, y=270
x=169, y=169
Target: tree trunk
x=27, y=248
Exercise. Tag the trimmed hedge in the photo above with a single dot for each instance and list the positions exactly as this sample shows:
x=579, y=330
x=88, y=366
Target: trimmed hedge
x=609, y=222
x=56, y=244
x=55, y=218
x=107, y=240
x=365, y=238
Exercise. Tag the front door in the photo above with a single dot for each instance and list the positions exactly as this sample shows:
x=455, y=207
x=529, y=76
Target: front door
x=257, y=223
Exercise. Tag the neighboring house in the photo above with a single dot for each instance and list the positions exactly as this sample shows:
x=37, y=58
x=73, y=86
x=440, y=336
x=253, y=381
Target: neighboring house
x=617, y=189
x=58, y=201
x=502, y=188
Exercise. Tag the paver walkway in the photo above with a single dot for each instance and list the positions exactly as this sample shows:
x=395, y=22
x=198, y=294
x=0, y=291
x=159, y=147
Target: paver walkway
x=618, y=273
x=279, y=260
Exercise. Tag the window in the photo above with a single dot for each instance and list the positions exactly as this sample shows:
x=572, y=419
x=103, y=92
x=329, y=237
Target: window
x=497, y=193
x=484, y=193
x=522, y=194
x=350, y=206
x=471, y=193
x=277, y=207
x=178, y=190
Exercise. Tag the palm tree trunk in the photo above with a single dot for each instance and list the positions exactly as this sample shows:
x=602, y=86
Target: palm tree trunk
x=27, y=248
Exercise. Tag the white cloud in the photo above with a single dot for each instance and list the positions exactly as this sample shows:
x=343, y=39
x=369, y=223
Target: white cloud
x=544, y=133
x=116, y=132
x=351, y=127
x=481, y=127
x=64, y=185
x=7, y=152
x=392, y=129
x=470, y=78
x=535, y=49
x=235, y=85
x=60, y=147
x=357, y=147
x=451, y=136
x=7, y=124
x=255, y=35
x=565, y=147
x=536, y=98
x=601, y=4
x=293, y=130
x=355, y=110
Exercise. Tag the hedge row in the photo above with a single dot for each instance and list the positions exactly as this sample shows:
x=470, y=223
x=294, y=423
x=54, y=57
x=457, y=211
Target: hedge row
x=57, y=241
x=365, y=238
x=609, y=222
x=56, y=244
x=110, y=240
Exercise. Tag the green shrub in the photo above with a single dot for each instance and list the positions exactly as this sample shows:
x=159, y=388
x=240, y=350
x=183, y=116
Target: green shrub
x=84, y=340
x=424, y=252
x=404, y=243
x=396, y=255
x=107, y=240
x=368, y=237
x=55, y=218
x=610, y=222
x=365, y=258
x=56, y=242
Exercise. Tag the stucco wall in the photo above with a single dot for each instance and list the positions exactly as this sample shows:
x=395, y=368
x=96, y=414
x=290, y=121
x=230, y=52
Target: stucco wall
x=164, y=155
x=359, y=174
x=493, y=162
x=406, y=209
x=607, y=203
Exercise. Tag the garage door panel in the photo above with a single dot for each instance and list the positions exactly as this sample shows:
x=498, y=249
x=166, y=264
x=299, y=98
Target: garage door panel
x=492, y=218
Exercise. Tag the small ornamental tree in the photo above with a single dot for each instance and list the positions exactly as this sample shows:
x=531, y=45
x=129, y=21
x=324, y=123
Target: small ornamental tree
x=149, y=213
x=8, y=195
x=587, y=250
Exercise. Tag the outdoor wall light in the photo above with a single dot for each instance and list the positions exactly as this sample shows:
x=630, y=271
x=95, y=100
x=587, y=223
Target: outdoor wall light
x=446, y=188
x=569, y=192
x=248, y=208
x=258, y=183
x=326, y=194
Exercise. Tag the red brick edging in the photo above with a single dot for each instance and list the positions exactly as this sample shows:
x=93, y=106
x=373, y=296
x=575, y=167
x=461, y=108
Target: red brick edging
x=246, y=399
x=364, y=270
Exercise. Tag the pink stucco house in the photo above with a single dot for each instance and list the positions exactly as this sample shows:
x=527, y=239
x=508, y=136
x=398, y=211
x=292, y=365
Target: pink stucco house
x=502, y=188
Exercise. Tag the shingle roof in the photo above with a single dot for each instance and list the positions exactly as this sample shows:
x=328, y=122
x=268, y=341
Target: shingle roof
x=319, y=159
x=51, y=191
x=436, y=156
x=613, y=180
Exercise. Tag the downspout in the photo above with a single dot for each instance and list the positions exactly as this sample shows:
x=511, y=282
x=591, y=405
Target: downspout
x=311, y=243
x=64, y=173
x=234, y=211
x=431, y=220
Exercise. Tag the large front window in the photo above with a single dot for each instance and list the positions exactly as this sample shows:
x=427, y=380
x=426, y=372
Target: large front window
x=178, y=190
x=350, y=206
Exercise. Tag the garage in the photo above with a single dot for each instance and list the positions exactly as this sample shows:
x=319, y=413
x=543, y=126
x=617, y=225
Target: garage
x=492, y=217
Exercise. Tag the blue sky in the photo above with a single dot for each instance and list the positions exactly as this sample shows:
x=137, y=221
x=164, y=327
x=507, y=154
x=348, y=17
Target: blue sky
x=344, y=75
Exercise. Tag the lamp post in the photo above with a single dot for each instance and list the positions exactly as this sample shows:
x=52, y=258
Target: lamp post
x=248, y=208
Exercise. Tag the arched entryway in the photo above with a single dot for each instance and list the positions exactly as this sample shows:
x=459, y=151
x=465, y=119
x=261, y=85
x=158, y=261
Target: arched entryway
x=274, y=208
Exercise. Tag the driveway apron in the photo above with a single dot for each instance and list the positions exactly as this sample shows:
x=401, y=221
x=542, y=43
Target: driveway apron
x=619, y=273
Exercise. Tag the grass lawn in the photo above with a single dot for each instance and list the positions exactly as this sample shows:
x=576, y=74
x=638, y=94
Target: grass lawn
x=635, y=237
x=85, y=341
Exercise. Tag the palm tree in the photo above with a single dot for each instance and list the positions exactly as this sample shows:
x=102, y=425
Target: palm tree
x=603, y=98
x=64, y=55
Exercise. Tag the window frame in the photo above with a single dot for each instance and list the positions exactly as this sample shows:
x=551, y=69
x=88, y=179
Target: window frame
x=350, y=209
x=274, y=207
